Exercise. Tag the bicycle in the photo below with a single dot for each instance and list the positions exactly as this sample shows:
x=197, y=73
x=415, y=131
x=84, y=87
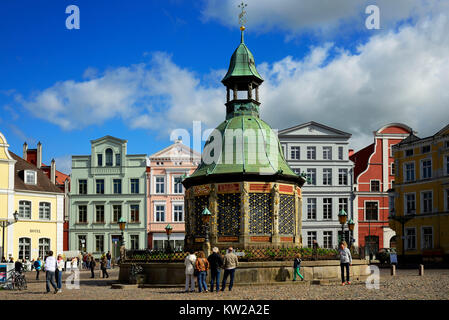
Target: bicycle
x=16, y=280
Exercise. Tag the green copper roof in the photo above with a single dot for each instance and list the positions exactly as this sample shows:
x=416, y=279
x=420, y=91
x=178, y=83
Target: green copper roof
x=242, y=64
x=260, y=153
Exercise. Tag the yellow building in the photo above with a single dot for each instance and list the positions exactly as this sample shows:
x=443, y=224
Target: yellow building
x=39, y=203
x=421, y=197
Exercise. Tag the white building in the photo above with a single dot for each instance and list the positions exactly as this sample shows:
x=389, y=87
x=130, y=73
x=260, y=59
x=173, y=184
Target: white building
x=322, y=153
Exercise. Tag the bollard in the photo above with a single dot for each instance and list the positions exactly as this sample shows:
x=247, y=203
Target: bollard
x=393, y=270
x=421, y=269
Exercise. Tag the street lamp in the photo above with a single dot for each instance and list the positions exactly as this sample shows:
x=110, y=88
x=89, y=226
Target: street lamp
x=206, y=218
x=122, y=223
x=168, y=231
x=342, y=218
x=5, y=224
x=351, y=225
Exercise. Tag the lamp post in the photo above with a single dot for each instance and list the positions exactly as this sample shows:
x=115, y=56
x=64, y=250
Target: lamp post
x=402, y=220
x=206, y=218
x=122, y=223
x=342, y=218
x=351, y=225
x=5, y=224
x=168, y=231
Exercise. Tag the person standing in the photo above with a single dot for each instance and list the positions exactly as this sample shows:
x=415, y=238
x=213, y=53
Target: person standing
x=189, y=262
x=59, y=269
x=103, y=266
x=18, y=266
x=202, y=265
x=109, y=257
x=345, y=262
x=315, y=250
x=92, y=265
x=215, y=262
x=50, y=269
x=230, y=263
x=38, y=267
x=297, y=266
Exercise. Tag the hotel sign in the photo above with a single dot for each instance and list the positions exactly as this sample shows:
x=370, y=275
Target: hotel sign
x=35, y=231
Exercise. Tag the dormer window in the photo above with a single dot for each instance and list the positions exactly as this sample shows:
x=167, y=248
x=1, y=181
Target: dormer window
x=30, y=177
x=109, y=155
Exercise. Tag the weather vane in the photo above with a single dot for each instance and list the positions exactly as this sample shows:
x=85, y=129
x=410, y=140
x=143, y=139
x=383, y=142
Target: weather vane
x=242, y=16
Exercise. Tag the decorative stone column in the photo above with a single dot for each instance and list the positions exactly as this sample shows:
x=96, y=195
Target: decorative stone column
x=213, y=208
x=275, y=238
x=190, y=221
x=244, y=215
x=298, y=218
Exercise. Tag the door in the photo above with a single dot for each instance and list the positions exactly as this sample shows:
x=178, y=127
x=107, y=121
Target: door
x=115, y=252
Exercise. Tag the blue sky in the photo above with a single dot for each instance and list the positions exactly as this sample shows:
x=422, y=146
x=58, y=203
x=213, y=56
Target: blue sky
x=138, y=69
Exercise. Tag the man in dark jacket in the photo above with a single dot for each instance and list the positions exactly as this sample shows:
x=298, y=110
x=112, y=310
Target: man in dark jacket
x=215, y=263
x=18, y=266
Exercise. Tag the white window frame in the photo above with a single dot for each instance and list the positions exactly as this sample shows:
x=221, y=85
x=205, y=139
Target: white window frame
x=364, y=209
x=422, y=201
x=405, y=171
x=156, y=184
x=299, y=152
x=312, y=151
x=173, y=184
x=330, y=152
x=312, y=174
x=342, y=153
x=315, y=206
x=31, y=209
x=330, y=207
x=138, y=186
x=42, y=205
x=422, y=238
x=330, y=236
x=315, y=237
x=326, y=170
x=405, y=202
x=156, y=204
x=138, y=208
x=380, y=185
x=392, y=169
x=346, y=174
x=34, y=176
x=421, y=165
x=173, y=211
x=406, y=238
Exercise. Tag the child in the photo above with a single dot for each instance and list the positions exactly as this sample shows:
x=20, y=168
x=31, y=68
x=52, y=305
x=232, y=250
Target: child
x=296, y=266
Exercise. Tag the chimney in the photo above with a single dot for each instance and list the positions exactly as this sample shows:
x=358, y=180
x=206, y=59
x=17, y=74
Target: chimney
x=39, y=155
x=25, y=151
x=53, y=171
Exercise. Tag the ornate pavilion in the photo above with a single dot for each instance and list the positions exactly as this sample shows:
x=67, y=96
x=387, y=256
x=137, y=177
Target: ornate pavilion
x=252, y=195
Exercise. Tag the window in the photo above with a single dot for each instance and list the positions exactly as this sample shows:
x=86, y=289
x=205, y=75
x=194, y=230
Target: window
x=425, y=149
x=410, y=171
x=426, y=166
x=44, y=247
x=409, y=152
x=117, y=159
x=311, y=235
x=178, y=213
x=134, y=185
x=327, y=208
x=82, y=186
x=24, y=248
x=311, y=208
x=82, y=244
x=117, y=183
x=283, y=151
x=311, y=153
x=25, y=209
x=109, y=157
x=327, y=239
x=100, y=186
x=160, y=184
x=160, y=213
x=410, y=235
x=375, y=185
x=410, y=203
x=99, y=213
x=44, y=211
x=427, y=237
x=340, y=153
x=343, y=177
x=294, y=153
x=327, y=153
x=327, y=177
x=99, y=243
x=371, y=210
x=391, y=205
x=297, y=171
x=116, y=212
x=177, y=186
x=82, y=214
x=311, y=176
x=343, y=204
x=99, y=160
x=134, y=212
x=426, y=201
x=30, y=177
x=447, y=165
x=134, y=239
x=392, y=172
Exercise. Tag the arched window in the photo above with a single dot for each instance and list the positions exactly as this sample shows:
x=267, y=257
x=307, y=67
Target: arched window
x=24, y=248
x=44, y=247
x=109, y=155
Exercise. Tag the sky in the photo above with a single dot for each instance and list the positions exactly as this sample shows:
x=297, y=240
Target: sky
x=139, y=69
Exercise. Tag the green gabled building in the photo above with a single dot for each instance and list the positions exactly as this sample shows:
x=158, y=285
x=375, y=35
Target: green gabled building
x=253, y=195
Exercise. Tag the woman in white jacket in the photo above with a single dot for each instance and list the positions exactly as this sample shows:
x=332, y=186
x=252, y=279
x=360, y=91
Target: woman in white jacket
x=59, y=268
x=189, y=262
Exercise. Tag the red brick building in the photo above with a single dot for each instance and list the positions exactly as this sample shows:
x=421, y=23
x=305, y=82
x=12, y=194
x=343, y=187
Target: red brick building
x=61, y=180
x=373, y=176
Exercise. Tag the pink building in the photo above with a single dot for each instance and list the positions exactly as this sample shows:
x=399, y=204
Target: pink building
x=165, y=193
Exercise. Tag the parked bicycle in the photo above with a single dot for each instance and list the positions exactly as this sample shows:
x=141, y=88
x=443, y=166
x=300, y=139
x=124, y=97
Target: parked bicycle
x=16, y=280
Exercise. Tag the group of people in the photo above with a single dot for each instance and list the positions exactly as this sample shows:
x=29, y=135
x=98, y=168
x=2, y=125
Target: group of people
x=197, y=266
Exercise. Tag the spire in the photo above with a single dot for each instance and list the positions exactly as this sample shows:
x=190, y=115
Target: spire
x=242, y=19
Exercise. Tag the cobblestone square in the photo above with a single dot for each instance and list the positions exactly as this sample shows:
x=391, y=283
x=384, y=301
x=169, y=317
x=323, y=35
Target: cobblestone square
x=406, y=285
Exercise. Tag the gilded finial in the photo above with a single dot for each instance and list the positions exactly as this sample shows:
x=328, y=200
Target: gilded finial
x=242, y=16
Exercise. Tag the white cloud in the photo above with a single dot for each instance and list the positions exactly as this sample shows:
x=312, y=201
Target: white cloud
x=64, y=164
